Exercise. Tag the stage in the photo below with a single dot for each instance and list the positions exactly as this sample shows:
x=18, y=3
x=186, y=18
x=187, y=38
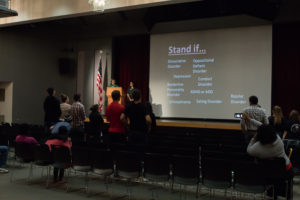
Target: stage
x=194, y=124
x=199, y=124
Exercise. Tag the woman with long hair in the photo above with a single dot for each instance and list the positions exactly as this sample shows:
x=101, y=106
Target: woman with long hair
x=293, y=126
x=277, y=120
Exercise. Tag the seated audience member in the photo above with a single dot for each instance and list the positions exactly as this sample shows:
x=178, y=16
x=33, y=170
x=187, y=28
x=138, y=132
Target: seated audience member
x=60, y=139
x=65, y=107
x=267, y=144
x=139, y=119
x=293, y=126
x=3, y=151
x=66, y=123
x=24, y=137
x=113, y=112
x=95, y=124
x=152, y=116
x=277, y=120
x=255, y=112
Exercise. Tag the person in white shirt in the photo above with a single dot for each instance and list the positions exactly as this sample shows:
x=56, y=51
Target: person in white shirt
x=255, y=112
x=65, y=107
x=267, y=144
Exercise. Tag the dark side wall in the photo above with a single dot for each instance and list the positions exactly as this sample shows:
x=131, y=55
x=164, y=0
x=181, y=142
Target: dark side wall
x=31, y=63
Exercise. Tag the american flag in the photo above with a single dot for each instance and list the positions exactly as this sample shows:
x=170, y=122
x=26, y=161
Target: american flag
x=99, y=85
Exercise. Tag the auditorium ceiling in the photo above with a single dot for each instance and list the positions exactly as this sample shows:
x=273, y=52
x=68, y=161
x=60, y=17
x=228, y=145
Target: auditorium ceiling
x=145, y=19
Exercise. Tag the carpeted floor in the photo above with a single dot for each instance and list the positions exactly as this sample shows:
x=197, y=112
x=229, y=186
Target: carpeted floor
x=22, y=189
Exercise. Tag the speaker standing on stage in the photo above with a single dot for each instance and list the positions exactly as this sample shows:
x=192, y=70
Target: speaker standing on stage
x=113, y=83
x=130, y=91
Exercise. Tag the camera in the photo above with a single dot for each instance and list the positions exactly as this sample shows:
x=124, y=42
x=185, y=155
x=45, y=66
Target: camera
x=238, y=115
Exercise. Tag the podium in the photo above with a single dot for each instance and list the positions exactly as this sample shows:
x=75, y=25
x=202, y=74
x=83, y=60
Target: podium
x=109, y=90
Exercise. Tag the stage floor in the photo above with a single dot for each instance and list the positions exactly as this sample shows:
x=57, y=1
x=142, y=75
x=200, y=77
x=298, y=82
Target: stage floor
x=199, y=124
x=194, y=124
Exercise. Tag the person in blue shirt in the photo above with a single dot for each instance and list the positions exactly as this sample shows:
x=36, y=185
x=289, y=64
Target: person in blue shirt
x=66, y=123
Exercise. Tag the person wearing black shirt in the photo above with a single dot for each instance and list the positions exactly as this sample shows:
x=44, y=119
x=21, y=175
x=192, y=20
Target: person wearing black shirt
x=96, y=123
x=277, y=120
x=139, y=119
x=51, y=108
x=152, y=116
x=130, y=92
x=292, y=130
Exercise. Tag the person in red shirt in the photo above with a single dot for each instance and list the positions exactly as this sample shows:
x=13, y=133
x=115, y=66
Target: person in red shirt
x=113, y=112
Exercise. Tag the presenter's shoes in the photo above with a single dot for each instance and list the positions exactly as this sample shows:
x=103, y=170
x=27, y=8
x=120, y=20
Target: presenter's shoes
x=3, y=171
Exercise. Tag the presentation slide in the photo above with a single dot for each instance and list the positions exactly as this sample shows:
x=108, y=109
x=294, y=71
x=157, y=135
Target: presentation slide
x=210, y=74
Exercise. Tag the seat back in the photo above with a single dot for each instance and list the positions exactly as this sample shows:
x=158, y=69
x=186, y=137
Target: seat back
x=185, y=169
x=216, y=173
x=42, y=154
x=274, y=169
x=249, y=177
x=102, y=159
x=24, y=151
x=128, y=162
x=61, y=156
x=156, y=164
x=295, y=156
x=81, y=156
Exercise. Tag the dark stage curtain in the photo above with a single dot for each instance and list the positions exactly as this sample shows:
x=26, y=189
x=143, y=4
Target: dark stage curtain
x=132, y=62
x=286, y=67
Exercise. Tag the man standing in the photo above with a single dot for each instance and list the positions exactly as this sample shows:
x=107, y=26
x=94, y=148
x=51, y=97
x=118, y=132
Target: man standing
x=254, y=116
x=113, y=112
x=139, y=119
x=77, y=112
x=78, y=117
x=51, y=108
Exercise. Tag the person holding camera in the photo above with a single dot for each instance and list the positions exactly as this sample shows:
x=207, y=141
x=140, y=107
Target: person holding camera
x=252, y=114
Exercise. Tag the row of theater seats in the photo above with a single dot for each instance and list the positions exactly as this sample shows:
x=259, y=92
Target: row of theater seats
x=12, y=130
x=185, y=137
x=214, y=169
x=179, y=139
x=170, y=137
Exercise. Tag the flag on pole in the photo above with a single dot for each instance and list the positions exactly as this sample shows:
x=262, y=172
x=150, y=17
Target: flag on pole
x=99, y=85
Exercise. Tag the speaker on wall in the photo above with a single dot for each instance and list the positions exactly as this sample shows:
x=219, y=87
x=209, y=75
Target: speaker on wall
x=67, y=66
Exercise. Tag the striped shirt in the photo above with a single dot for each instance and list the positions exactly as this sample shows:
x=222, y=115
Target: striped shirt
x=78, y=114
